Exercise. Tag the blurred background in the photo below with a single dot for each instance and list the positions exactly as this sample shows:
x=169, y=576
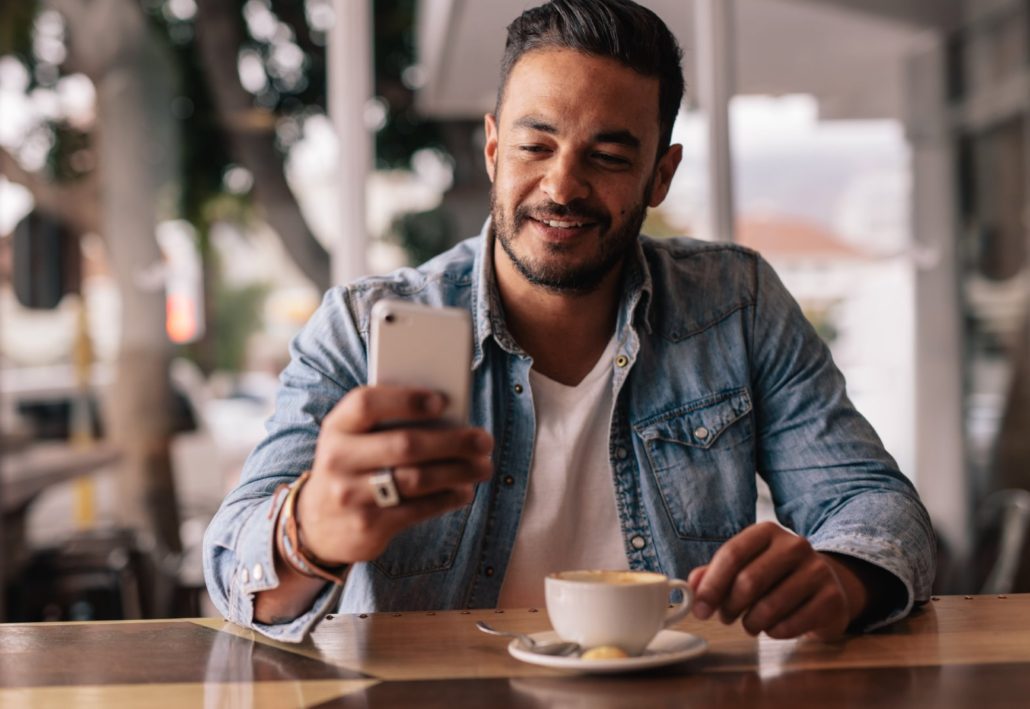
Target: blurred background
x=180, y=180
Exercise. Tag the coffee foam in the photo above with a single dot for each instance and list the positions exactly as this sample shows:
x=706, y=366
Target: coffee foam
x=614, y=578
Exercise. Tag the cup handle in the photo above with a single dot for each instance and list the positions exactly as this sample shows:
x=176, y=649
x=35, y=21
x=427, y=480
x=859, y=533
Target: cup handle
x=678, y=613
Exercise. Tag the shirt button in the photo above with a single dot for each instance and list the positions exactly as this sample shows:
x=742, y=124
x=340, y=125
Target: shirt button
x=244, y=576
x=518, y=388
x=700, y=433
x=638, y=542
x=509, y=480
x=621, y=361
x=489, y=571
x=621, y=453
x=258, y=572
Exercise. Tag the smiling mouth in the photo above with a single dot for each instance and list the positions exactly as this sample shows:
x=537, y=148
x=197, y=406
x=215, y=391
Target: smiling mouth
x=563, y=224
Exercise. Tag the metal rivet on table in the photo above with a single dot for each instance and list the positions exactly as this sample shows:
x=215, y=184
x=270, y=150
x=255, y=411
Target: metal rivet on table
x=363, y=615
x=621, y=361
x=1002, y=596
x=465, y=612
x=533, y=610
x=968, y=598
x=935, y=598
x=498, y=610
x=700, y=433
x=518, y=388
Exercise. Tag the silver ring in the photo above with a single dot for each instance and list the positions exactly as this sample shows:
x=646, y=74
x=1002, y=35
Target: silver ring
x=384, y=488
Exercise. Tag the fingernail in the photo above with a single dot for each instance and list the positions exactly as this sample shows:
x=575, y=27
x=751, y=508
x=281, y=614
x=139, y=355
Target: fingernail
x=702, y=610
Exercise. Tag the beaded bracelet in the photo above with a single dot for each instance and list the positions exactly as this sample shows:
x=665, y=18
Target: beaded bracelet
x=292, y=551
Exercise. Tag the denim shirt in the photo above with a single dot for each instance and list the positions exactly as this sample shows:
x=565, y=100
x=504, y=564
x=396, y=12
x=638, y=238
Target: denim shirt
x=717, y=376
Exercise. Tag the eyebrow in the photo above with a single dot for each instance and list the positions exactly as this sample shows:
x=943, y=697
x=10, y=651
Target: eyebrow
x=620, y=137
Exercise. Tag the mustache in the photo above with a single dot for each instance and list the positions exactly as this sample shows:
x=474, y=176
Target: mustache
x=564, y=212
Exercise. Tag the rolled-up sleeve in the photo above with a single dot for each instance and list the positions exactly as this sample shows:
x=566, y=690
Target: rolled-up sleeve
x=830, y=477
x=328, y=359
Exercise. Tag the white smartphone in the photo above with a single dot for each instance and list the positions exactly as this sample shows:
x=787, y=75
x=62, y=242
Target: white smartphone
x=423, y=346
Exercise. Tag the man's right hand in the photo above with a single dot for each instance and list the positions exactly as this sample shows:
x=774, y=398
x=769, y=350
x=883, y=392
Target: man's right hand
x=435, y=470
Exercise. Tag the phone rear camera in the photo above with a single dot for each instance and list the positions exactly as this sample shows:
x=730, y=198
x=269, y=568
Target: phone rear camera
x=390, y=317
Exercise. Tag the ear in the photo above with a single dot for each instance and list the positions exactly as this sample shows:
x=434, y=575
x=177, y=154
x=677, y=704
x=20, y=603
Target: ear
x=664, y=171
x=490, y=148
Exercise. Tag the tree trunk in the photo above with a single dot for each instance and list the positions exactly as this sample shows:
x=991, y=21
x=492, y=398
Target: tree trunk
x=138, y=150
x=252, y=137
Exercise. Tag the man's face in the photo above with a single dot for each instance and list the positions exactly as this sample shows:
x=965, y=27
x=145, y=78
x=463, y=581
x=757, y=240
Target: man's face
x=572, y=161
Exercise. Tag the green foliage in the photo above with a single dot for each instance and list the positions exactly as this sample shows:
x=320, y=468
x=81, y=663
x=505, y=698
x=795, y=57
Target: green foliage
x=16, y=17
x=423, y=235
x=823, y=317
x=71, y=157
x=656, y=224
x=405, y=131
x=238, y=315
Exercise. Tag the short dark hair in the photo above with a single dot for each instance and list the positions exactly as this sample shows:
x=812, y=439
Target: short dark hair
x=621, y=30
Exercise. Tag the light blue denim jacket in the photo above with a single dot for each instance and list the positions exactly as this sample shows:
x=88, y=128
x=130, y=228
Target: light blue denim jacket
x=717, y=376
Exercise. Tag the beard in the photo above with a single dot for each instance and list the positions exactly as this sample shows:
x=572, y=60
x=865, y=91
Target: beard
x=612, y=245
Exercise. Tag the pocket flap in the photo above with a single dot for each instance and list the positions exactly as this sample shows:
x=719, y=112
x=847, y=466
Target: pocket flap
x=700, y=422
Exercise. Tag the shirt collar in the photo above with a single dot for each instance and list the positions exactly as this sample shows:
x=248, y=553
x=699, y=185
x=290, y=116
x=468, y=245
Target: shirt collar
x=488, y=312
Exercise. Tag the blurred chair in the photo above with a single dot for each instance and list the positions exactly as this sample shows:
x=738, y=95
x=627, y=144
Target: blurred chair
x=1005, y=519
x=95, y=575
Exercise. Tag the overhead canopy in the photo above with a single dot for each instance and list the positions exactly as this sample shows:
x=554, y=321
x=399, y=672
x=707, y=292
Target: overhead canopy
x=847, y=53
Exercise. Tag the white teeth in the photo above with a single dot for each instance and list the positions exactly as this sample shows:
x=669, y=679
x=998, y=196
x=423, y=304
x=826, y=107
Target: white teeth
x=562, y=225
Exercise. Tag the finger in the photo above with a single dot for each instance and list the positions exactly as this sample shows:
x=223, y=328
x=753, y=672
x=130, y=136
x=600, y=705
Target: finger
x=695, y=576
x=411, y=512
x=784, y=555
x=421, y=481
x=365, y=407
x=724, y=566
x=824, y=614
x=365, y=532
x=784, y=600
x=411, y=446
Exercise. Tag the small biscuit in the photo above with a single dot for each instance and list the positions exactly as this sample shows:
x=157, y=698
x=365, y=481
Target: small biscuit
x=605, y=652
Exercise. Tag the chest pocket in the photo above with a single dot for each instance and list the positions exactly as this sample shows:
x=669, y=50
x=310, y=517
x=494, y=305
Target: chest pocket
x=703, y=462
x=426, y=547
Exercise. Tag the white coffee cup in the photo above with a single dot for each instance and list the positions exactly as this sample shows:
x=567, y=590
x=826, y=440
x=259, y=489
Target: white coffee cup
x=621, y=608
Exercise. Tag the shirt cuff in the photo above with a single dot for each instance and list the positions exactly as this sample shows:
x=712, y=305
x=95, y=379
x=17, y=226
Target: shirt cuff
x=872, y=551
x=255, y=572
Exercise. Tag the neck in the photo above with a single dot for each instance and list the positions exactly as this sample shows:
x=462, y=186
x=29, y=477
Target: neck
x=564, y=333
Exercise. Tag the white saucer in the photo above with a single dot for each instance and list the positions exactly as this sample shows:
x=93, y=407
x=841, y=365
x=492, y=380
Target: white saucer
x=667, y=648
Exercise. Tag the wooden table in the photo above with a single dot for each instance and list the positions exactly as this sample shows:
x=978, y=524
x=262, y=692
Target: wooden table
x=955, y=652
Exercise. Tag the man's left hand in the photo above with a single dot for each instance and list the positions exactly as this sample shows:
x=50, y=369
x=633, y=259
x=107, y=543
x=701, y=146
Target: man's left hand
x=778, y=584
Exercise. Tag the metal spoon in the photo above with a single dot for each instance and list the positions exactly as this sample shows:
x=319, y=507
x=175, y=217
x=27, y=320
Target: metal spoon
x=556, y=648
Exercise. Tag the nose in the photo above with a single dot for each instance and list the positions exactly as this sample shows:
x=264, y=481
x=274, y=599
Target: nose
x=563, y=182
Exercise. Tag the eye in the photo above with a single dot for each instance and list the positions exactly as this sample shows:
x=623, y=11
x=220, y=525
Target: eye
x=612, y=160
x=532, y=148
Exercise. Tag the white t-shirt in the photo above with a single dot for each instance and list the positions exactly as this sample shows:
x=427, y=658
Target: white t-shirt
x=569, y=520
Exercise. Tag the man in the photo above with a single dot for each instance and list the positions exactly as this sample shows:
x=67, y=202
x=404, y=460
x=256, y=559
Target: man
x=625, y=392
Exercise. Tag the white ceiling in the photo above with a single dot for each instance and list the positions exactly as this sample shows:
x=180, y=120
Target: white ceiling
x=848, y=53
